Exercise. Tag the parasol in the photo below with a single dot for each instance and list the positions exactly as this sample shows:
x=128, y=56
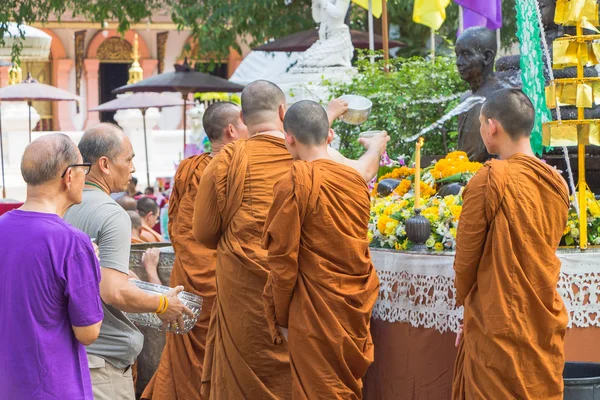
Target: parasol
x=301, y=41
x=142, y=101
x=184, y=80
x=29, y=90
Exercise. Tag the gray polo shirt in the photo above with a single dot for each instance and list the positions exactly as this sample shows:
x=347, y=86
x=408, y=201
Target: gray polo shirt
x=99, y=216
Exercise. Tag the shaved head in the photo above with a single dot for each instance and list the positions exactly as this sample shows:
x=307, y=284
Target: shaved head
x=47, y=157
x=307, y=121
x=512, y=109
x=128, y=203
x=146, y=205
x=219, y=116
x=102, y=140
x=261, y=101
x=136, y=220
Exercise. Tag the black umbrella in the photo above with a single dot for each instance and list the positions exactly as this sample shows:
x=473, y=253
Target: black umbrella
x=184, y=80
x=301, y=41
x=141, y=101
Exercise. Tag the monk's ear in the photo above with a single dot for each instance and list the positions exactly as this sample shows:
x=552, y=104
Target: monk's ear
x=290, y=139
x=281, y=111
x=330, y=136
x=493, y=126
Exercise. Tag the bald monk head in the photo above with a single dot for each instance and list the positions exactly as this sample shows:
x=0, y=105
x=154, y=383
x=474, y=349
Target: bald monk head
x=128, y=203
x=507, y=118
x=307, y=132
x=109, y=150
x=54, y=172
x=263, y=107
x=223, y=124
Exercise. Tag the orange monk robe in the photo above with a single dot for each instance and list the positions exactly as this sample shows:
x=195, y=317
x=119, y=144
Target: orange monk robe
x=179, y=372
x=233, y=200
x=513, y=217
x=150, y=235
x=136, y=241
x=322, y=284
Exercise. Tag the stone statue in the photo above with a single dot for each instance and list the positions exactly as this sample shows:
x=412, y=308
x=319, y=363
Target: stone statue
x=475, y=54
x=334, y=47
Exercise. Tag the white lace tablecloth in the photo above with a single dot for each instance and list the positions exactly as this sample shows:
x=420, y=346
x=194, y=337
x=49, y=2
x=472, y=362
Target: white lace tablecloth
x=419, y=289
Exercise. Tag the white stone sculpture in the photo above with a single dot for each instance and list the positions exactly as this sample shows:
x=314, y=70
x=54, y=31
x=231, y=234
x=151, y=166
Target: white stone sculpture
x=334, y=47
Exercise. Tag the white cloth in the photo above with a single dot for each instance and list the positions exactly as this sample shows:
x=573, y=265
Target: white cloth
x=419, y=289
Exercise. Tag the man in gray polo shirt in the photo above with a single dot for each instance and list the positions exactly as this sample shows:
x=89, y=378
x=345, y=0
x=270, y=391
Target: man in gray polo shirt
x=110, y=358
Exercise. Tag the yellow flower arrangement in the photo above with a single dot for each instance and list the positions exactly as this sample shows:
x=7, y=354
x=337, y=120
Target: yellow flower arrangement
x=402, y=188
x=398, y=173
x=454, y=163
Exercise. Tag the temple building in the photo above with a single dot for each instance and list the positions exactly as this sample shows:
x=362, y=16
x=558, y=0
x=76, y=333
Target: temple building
x=91, y=60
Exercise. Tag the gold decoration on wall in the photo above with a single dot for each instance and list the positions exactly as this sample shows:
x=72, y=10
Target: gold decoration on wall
x=161, y=42
x=114, y=49
x=136, y=73
x=79, y=55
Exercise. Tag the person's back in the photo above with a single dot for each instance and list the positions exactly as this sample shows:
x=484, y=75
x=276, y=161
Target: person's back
x=513, y=218
x=322, y=285
x=244, y=174
x=325, y=215
x=179, y=373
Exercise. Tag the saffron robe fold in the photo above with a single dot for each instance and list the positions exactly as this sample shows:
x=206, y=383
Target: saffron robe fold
x=322, y=284
x=150, y=235
x=514, y=215
x=179, y=373
x=233, y=200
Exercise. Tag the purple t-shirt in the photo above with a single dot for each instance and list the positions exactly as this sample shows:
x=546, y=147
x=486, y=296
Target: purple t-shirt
x=49, y=280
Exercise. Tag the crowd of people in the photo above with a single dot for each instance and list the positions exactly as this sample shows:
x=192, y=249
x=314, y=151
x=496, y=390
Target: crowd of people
x=270, y=229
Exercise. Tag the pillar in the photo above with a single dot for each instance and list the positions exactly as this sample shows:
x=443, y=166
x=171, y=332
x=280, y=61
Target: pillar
x=91, y=67
x=62, y=68
x=149, y=67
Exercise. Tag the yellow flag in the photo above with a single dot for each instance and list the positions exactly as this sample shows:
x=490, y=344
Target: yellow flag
x=376, y=4
x=431, y=13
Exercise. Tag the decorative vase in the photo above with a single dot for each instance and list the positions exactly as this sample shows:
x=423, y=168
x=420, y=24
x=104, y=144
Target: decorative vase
x=418, y=230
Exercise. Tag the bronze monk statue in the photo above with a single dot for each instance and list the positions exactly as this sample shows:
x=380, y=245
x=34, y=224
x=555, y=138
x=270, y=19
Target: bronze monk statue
x=475, y=54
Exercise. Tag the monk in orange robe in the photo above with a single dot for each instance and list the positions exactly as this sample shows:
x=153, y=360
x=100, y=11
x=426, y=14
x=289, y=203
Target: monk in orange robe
x=179, y=374
x=233, y=200
x=514, y=214
x=150, y=212
x=322, y=286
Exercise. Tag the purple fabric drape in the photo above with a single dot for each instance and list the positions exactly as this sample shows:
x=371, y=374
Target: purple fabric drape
x=486, y=13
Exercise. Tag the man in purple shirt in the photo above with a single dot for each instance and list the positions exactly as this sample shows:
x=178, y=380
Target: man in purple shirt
x=49, y=281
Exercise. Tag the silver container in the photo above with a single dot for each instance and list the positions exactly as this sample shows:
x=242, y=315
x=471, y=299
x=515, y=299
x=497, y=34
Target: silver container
x=151, y=320
x=359, y=109
x=165, y=262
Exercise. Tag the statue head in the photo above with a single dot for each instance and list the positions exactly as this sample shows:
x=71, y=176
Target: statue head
x=547, y=10
x=475, y=53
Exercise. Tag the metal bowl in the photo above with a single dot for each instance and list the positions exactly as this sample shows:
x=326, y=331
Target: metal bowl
x=165, y=262
x=370, y=134
x=151, y=320
x=359, y=109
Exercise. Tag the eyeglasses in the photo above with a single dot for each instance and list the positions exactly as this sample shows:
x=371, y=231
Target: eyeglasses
x=87, y=167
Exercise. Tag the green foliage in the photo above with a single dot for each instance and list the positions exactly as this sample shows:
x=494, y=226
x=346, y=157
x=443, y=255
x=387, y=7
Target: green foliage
x=125, y=13
x=409, y=80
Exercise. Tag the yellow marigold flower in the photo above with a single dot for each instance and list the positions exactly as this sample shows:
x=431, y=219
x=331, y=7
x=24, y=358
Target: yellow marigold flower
x=426, y=190
x=450, y=200
x=398, y=173
x=438, y=246
x=456, y=210
x=567, y=230
x=402, y=188
x=431, y=213
x=390, y=227
x=382, y=223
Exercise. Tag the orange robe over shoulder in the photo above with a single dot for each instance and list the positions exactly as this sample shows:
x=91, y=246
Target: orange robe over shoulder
x=150, y=235
x=514, y=215
x=233, y=200
x=322, y=284
x=178, y=376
